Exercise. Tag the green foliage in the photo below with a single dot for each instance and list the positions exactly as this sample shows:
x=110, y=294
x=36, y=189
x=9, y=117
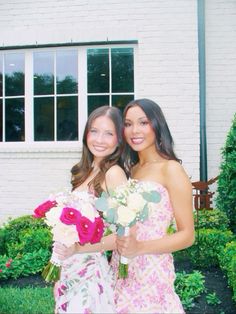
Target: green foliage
x=212, y=299
x=227, y=261
x=205, y=251
x=211, y=219
x=23, y=265
x=26, y=300
x=25, y=247
x=226, y=185
x=189, y=287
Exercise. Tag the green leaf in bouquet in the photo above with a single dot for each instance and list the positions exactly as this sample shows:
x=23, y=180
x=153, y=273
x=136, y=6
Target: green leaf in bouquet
x=101, y=204
x=144, y=214
x=152, y=196
x=120, y=231
x=111, y=215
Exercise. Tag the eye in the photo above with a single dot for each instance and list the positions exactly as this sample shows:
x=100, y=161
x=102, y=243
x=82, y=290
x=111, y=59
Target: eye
x=93, y=131
x=127, y=124
x=145, y=122
x=109, y=133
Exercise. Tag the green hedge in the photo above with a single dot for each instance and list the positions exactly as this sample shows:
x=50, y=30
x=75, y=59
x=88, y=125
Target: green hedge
x=227, y=261
x=208, y=244
x=211, y=219
x=25, y=247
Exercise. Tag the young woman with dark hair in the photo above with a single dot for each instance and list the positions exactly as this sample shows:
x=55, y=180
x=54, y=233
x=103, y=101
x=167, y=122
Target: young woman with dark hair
x=149, y=158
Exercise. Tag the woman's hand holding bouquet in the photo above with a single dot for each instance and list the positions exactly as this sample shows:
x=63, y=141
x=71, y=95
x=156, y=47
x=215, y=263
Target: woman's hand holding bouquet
x=123, y=207
x=73, y=218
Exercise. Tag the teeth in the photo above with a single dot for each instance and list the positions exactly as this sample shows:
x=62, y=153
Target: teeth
x=137, y=140
x=99, y=148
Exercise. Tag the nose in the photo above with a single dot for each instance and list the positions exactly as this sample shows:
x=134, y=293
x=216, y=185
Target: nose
x=135, y=128
x=99, y=138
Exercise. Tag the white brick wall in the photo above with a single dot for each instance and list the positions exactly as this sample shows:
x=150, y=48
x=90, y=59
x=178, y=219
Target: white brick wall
x=221, y=76
x=166, y=70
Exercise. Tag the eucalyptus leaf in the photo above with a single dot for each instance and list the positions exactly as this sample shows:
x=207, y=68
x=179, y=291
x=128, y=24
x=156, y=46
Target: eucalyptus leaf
x=111, y=215
x=120, y=231
x=101, y=204
x=152, y=196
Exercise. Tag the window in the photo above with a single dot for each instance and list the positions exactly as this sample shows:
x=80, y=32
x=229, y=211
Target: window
x=46, y=94
x=110, y=77
x=56, y=96
x=12, y=100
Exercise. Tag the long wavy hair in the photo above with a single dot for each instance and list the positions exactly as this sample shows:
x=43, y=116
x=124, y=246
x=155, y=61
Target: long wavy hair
x=164, y=141
x=81, y=171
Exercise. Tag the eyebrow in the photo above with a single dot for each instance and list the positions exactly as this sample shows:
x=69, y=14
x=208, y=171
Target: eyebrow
x=138, y=118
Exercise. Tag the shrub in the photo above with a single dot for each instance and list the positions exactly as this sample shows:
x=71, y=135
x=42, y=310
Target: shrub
x=204, y=252
x=26, y=247
x=189, y=287
x=227, y=261
x=211, y=219
x=226, y=185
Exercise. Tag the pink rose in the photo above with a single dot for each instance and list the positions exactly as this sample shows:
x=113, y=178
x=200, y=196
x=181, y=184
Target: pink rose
x=85, y=229
x=70, y=216
x=98, y=230
x=41, y=210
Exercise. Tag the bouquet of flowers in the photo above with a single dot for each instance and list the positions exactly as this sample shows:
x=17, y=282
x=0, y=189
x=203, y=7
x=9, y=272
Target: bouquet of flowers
x=124, y=206
x=73, y=218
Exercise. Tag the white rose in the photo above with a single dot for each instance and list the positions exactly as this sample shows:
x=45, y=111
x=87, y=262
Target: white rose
x=135, y=202
x=112, y=203
x=65, y=234
x=89, y=211
x=53, y=216
x=125, y=215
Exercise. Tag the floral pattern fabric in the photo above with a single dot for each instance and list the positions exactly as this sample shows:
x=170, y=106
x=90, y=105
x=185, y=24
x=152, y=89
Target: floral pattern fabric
x=85, y=285
x=149, y=287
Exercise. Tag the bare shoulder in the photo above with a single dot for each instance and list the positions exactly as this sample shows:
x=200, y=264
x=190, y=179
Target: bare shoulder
x=115, y=176
x=175, y=172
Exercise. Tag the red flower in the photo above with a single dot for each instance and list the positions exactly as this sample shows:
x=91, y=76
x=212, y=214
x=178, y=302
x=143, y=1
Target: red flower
x=98, y=230
x=0, y=270
x=41, y=210
x=70, y=216
x=8, y=264
x=85, y=228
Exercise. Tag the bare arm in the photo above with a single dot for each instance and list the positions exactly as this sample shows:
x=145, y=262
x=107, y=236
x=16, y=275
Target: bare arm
x=180, y=191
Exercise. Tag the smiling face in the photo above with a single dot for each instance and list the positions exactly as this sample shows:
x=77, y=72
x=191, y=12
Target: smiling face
x=138, y=130
x=102, y=138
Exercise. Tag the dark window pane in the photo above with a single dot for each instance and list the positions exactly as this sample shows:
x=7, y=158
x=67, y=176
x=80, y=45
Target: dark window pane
x=14, y=74
x=67, y=68
x=1, y=121
x=120, y=101
x=43, y=73
x=67, y=118
x=122, y=66
x=15, y=120
x=97, y=101
x=98, y=70
x=1, y=87
x=44, y=119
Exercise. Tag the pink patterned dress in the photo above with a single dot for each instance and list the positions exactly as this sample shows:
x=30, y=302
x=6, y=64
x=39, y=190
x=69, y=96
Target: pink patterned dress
x=85, y=285
x=149, y=287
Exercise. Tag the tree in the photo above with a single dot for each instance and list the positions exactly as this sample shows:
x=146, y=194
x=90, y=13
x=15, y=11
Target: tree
x=226, y=187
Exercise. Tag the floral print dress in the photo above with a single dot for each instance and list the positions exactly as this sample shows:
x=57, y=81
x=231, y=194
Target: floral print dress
x=85, y=285
x=149, y=287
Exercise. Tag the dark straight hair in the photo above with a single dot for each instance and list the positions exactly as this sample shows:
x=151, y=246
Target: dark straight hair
x=164, y=141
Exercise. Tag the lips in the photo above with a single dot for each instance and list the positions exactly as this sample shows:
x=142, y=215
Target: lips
x=137, y=140
x=99, y=148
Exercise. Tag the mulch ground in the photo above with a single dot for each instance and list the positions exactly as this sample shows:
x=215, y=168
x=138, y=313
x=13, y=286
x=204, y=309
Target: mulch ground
x=215, y=281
